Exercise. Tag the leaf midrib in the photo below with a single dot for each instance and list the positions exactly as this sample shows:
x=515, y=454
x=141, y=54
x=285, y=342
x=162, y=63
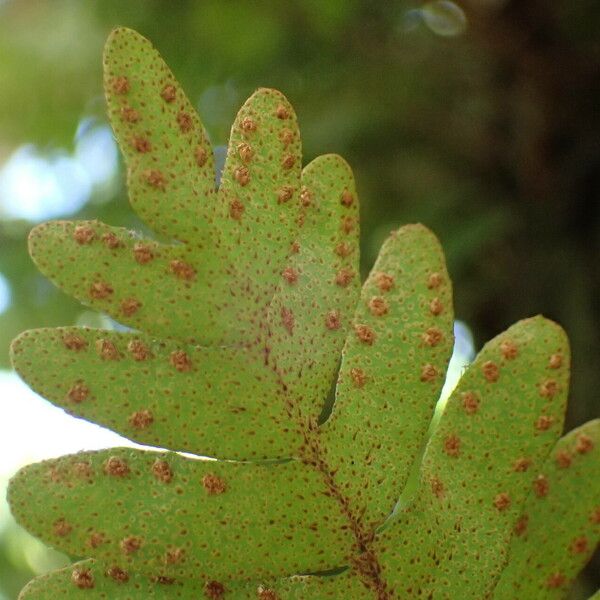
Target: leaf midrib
x=311, y=454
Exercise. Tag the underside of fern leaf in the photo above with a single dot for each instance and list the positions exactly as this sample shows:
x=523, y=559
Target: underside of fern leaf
x=242, y=319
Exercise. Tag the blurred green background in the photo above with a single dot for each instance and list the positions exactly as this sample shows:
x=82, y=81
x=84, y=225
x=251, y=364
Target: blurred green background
x=478, y=118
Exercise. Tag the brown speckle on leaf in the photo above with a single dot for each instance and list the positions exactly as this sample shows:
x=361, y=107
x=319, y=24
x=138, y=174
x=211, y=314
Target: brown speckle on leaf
x=490, y=371
x=288, y=161
x=384, y=281
x=584, y=444
x=142, y=253
x=521, y=464
x=110, y=240
x=120, y=85
x=213, y=484
x=138, y=350
x=54, y=475
x=502, y=501
x=286, y=136
x=182, y=270
x=306, y=197
x=563, y=459
x=509, y=349
x=214, y=590
x=129, y=306
x=83, y=234
x=107, y=350
x=162, y=580
x=348, y=224
x=365, y=334
x=248, y=125
x=245, y=151
x=548, y=389
x=580, y=545
x=116, y=467
x=332, y=319
x=555, y=361
x=78, y=393
x=130, y=544
x=470, y=402
x=434, y=281
x=437, y=487
x=285, y=194
x=290, y=275
x=295, y=248
x=378, y=306
x=62, y=528
x=141, y=144
x=344, y=277
x=343, y=249
x=174, y=556
x=154, y=178
x=82, y=469
x=282, y=112
x=99, y=290
x=129, y=115
x=82, y=578
x=162, y=471
x=236, y=209
x=358, y=376
x=432, y=336
x=544, y=423
x=436, y=307
x=141, y=419
x=428, y=373
x=200, y=155
x=96, y=540
x=287, y=319
x=555, y=580
x=521, y=525
x=347, y=198
x=118, y=574
x=168, y=93
x=595, y=516
x=266, y=593
x=541, y=487
x=72, y=341
x=184, y=120
x=181, y=361
x=242, y=175
x=452, y=445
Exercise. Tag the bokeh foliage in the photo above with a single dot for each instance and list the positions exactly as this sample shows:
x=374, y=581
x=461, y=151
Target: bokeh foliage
x=489, y=138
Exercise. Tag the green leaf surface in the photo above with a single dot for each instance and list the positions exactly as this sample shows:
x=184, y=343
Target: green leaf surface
x=260, y=189
x=219, y=402
x=135, y=509
x=89, y=580
x=393, y=369
x=497, y=428
x=139, y=282
x=160, y=135
x=313, y=306
x=559, y=527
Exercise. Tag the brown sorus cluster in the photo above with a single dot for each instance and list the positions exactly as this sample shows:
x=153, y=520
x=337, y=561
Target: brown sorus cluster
x=141, y=419
x=162, y=471
x=116, y=467
x=181, y=361
x=213, y=484
x=82, y=578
